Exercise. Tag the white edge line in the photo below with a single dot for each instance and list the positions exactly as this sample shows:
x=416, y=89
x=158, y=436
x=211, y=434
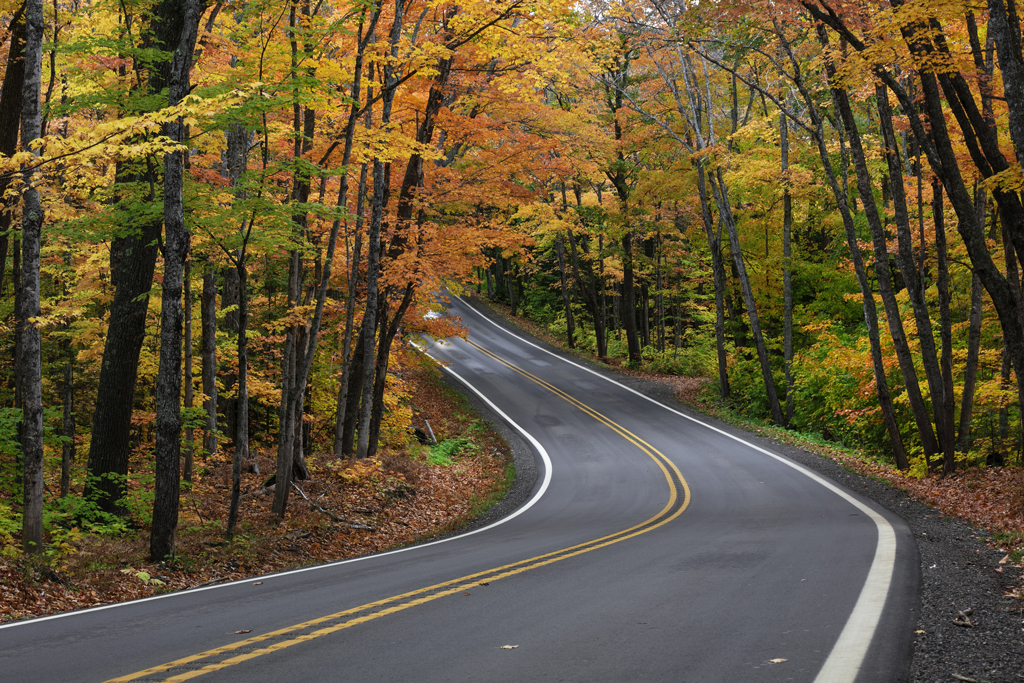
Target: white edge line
x=189, y=591
x=847, y=656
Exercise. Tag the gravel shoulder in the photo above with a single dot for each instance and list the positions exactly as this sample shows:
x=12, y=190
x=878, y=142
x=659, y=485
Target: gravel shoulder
x=961, y=577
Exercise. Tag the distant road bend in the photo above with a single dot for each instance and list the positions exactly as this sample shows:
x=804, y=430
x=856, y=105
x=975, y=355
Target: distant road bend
x=653, y=547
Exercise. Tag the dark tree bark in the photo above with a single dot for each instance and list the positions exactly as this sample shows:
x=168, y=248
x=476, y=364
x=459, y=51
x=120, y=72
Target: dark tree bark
x=982, y=141
x=350, y=313
x=208, y=314
x=31, y=358
x=947, y=427
x=242, y=436
x=68, y=422
x=591, y=297
x=183, y=16
x=381, y=188
x=570, y=331
x=190, y=398
x=133, y=260
x=10, y=121
x=973, y=346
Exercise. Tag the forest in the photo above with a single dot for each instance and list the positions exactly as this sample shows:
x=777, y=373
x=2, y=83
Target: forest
x=223, y=222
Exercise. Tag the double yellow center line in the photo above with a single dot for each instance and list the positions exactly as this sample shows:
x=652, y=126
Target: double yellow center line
x=225, y=656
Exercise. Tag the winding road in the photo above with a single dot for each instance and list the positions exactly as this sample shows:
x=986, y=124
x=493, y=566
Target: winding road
x=653, y=547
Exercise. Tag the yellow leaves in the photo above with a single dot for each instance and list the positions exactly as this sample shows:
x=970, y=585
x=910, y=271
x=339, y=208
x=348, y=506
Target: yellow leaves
x=1010, y=180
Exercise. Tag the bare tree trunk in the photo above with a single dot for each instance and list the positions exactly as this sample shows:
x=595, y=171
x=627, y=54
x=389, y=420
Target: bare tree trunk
x=68, y=424
x=570, y=331
x=381, y=188
x=593, y=300
x=911, y=277
x=242, y=436
x=350, y=313
x=973, y=346
x=870, y=313
x=714, y=237
x=787, y=267
x=185, y=15
x=208, y=316
x=882, y=272
x=629, y=298
x=721, y=195
x=947, y=426
x=10, y=121
x=31, y=359
x=190, y=398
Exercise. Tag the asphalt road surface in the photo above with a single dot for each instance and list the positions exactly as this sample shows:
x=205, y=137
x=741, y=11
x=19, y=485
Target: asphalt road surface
x=652, y=548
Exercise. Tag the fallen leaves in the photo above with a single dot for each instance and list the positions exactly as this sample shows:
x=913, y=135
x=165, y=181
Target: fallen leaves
x=963, y=618
x=432, y=500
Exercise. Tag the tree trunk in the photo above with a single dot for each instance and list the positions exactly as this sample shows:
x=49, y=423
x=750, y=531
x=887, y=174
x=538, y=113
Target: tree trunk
x=190, y=398
x=882, y=272
x=185, y=15
x=870, y=313
x=570, y=332
x=911, y=277
x=350, y=312
x=721, y=195
x=973, y=346
x=947, y=433
x=208, y=316
x=31, y=359
x=714, y=237
x=68, y=422
x=242, y=436
x=591, y=297
x=10, y=121
x=629, y=299
x=787, y=267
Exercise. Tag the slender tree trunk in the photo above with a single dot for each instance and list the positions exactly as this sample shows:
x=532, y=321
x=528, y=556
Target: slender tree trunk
x=242, y=437
x=882, y=272
x=350, y=312
x=388, y=330
x=870, y=313
x=911, y=277
x=721, y=195
x=787, y=267
x=714, y=237
x=973, y=346
x=381, y=188
x=593, y=300
x=570, y=331
x=68, y=423
x=208, y=316
x=185, y=13
x=947, y=426
x=629, y=298
x=190, y=398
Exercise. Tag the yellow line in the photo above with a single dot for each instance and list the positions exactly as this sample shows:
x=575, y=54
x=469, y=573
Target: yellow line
x=423, y=595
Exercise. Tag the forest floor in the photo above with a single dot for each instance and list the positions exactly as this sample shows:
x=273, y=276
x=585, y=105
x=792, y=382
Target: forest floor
x=346, y=509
